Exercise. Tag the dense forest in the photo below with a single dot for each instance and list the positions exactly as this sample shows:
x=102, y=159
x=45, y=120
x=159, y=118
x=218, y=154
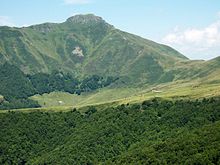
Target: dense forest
x=153, y=132
x=16, y=87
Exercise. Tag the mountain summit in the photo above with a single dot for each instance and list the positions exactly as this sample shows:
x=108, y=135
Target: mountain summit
x=85, y=45
x=85, y=19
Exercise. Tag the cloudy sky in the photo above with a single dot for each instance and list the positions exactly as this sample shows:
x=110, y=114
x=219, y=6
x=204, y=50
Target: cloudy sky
x=190, y=26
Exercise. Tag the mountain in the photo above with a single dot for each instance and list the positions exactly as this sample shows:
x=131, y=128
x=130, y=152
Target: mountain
x=85, y=53
x=86, y=45
x=138, y=102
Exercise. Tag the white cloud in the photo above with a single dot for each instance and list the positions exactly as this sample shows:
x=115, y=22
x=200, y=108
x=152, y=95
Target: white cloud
x=196, y=43
x=5, y=21
x=218, y=14
x=76, y=2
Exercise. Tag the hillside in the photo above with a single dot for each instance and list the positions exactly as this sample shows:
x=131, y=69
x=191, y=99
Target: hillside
x=16, y=87
x=83, y=55
x=86, y=45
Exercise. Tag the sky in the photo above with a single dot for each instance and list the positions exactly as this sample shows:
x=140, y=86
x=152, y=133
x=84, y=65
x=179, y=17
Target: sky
x=190, y=26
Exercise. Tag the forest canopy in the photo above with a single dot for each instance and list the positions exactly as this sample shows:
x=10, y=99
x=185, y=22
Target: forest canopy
x=16, y=87
x=153, y=132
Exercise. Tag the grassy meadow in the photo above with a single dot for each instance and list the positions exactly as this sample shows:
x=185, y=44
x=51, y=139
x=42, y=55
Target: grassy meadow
x=107, y=96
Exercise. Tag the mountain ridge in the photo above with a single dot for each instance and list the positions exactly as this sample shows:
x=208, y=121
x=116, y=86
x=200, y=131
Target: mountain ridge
x=72, y=34
x=86, y=45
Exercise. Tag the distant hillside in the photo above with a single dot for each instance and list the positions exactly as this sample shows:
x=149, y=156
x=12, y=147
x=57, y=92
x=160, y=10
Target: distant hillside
x=86, y=45
x=198, y=70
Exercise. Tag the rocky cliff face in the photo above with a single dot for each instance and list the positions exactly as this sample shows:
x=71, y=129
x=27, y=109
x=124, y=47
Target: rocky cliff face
x=85, y=19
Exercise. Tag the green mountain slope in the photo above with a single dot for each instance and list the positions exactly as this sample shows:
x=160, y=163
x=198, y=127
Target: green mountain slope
x=202, y=71
x=86, y=45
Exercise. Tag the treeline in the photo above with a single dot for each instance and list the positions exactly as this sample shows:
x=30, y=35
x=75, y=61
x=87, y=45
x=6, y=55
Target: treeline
x=16, y=87
x=58, y=81
x=153, y=132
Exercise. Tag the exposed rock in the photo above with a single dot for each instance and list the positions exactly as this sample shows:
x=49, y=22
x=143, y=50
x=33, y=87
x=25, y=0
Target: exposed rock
x=78, y=52
x=60, y=102
x=1, y=99
x=87, y=19
x=84, y=19
x=44, y=28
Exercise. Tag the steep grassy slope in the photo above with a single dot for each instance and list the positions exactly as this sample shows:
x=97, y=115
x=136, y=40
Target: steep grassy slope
x=200, y=71
x=86, y=45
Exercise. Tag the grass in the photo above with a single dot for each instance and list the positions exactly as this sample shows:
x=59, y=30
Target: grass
x=97, y=97
x=177, y=90
x=103, y=98
x=82, y=108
